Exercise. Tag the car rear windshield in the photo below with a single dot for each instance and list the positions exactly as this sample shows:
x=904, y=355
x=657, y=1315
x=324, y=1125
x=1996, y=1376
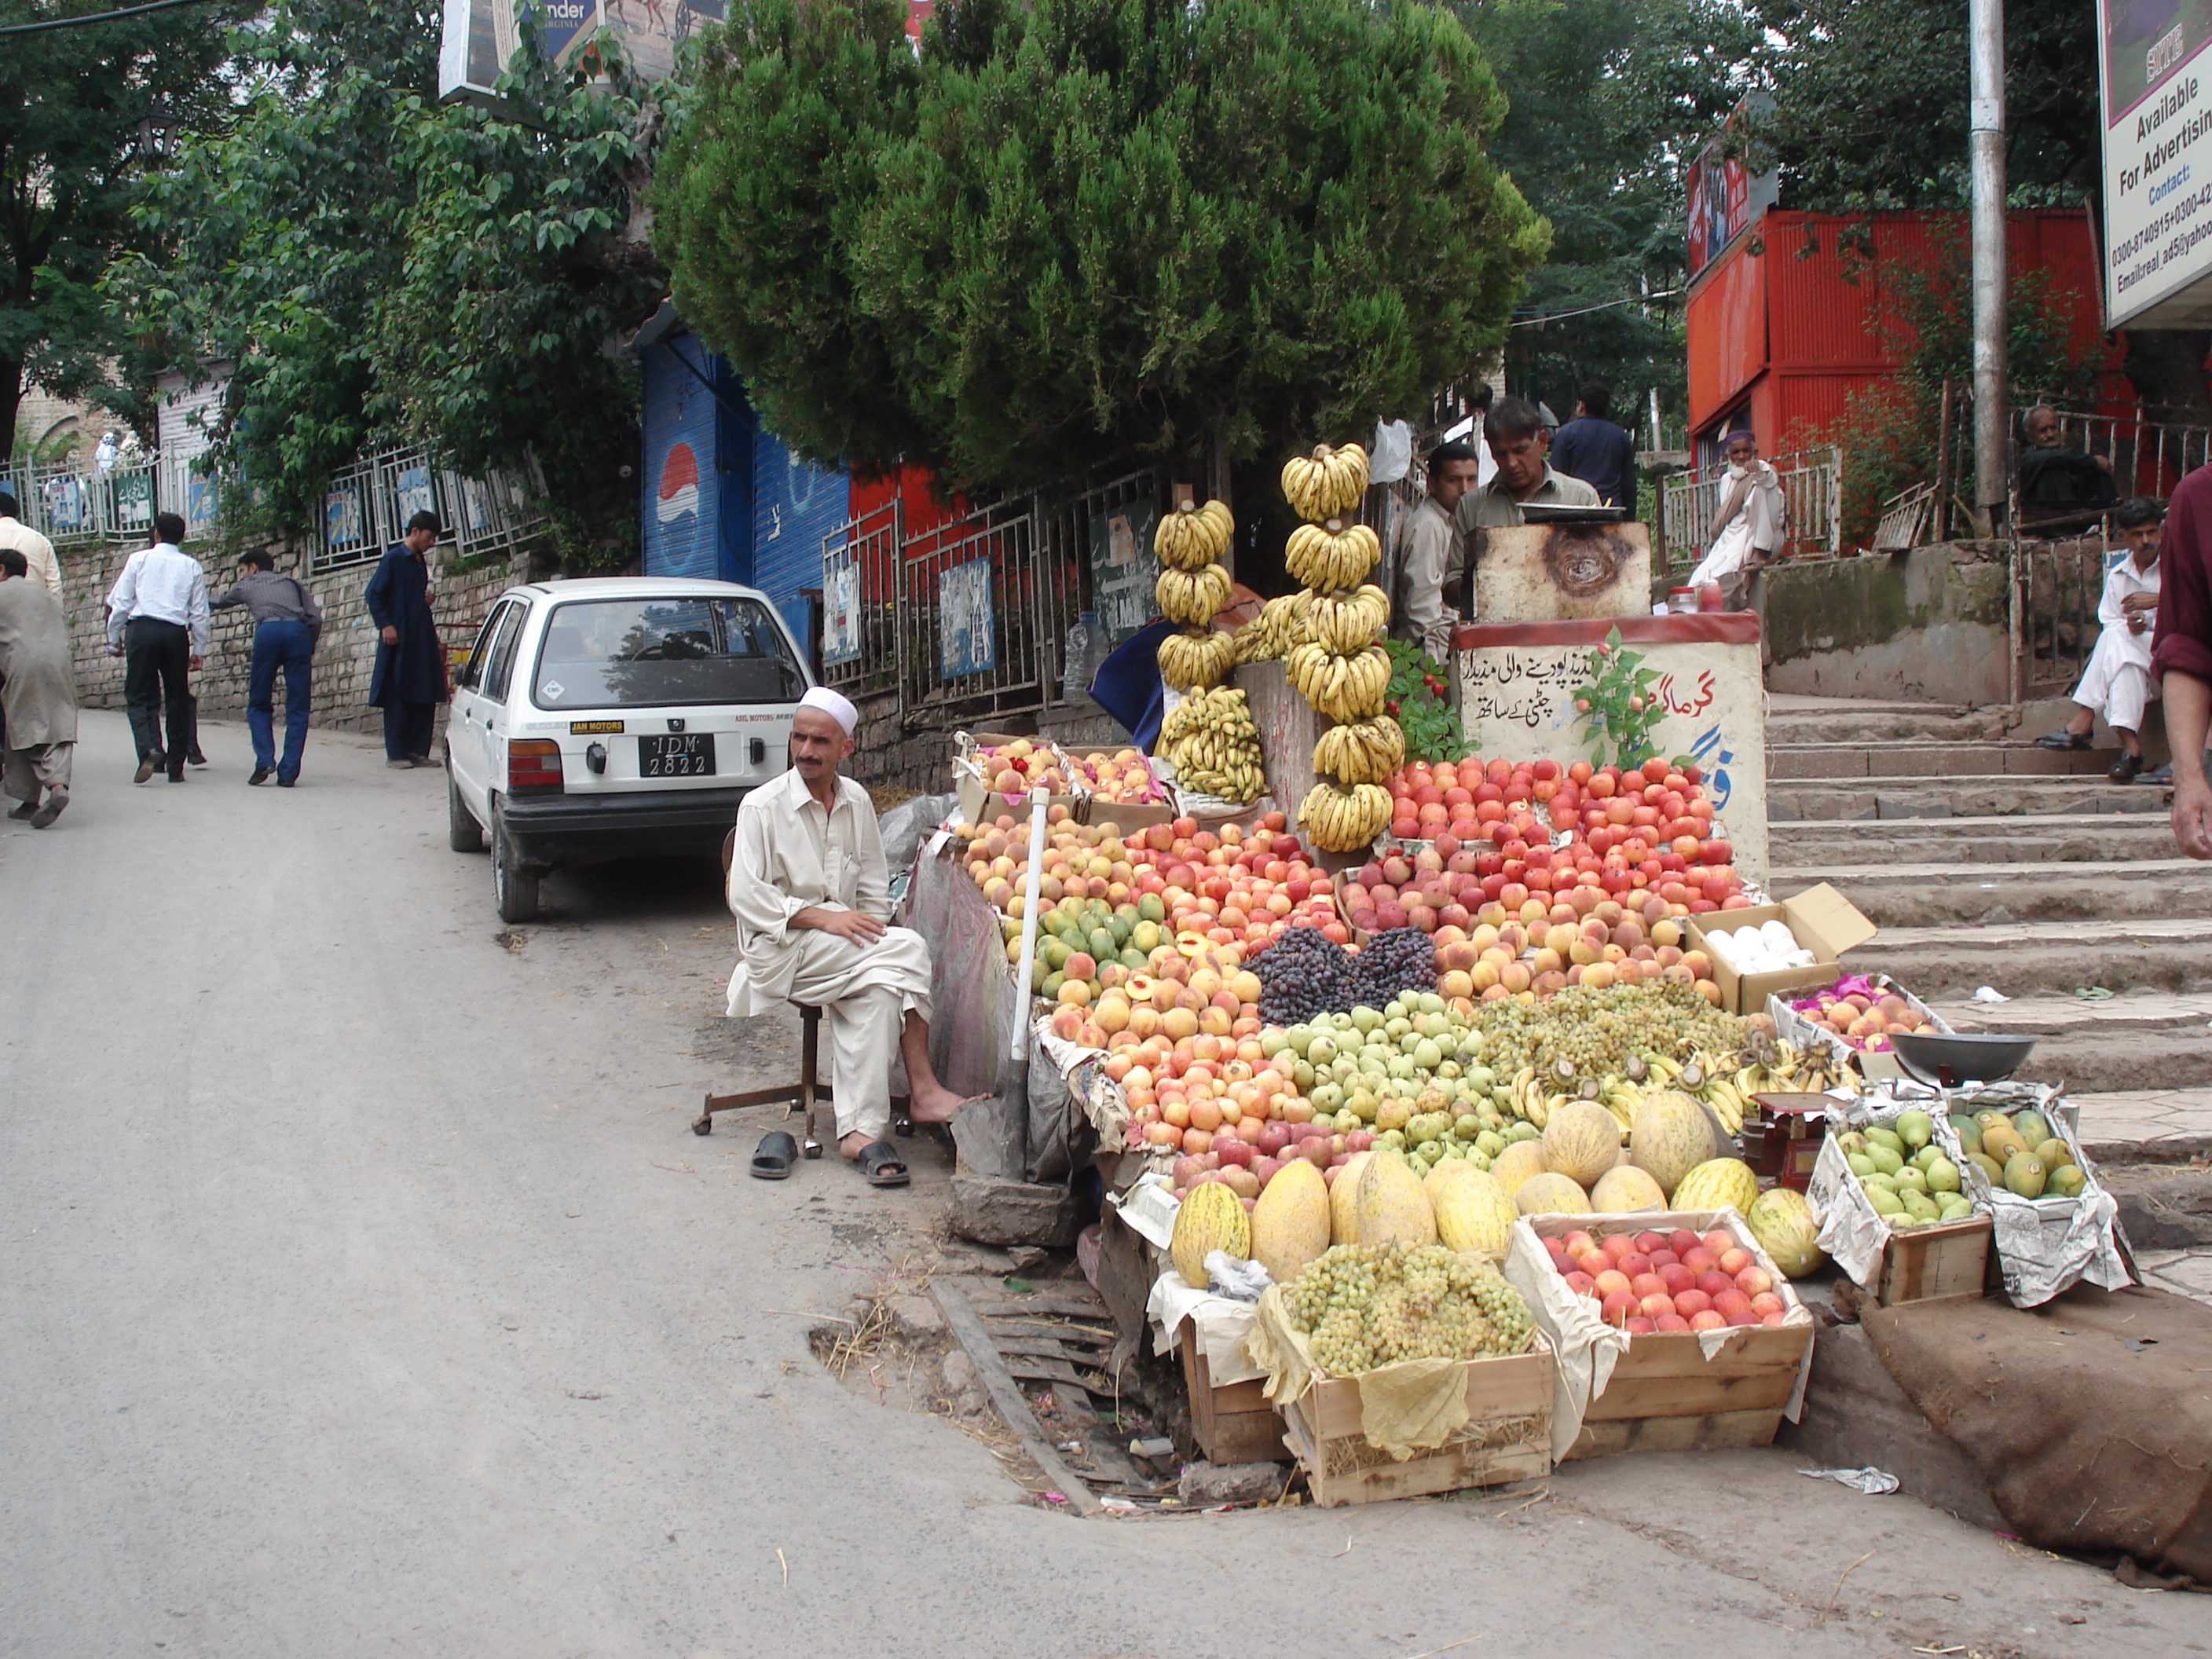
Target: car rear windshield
x=628, y=653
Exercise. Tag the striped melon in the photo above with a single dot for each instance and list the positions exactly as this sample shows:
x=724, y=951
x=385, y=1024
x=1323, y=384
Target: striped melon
x=1447, y=1171
x=1668, y=1136
x=1552, y=1193
x=1581, y=1141
x=1718, y=1183
x=1290, y=1223
x=1391, y=1208
x=1474, y=1216
x=1212, y=1218
x=1623, y=1190
x=1517, y=1164
x=1344, y=1198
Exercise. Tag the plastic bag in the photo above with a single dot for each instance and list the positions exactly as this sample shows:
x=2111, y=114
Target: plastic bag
x=1391, y=456
x=904, y=828
x=1237, y=1279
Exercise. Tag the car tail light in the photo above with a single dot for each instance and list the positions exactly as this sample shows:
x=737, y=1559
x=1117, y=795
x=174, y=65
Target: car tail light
x=533, y=766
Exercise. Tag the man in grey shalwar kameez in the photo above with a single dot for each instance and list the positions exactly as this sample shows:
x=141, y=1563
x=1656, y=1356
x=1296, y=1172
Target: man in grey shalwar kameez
x=38, y=695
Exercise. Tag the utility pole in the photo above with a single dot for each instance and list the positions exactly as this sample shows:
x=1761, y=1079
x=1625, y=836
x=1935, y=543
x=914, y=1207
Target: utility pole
x=1985, y=154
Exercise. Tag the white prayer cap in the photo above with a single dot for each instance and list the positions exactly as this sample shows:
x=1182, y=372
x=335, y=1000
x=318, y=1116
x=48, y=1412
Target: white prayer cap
x=839, y=709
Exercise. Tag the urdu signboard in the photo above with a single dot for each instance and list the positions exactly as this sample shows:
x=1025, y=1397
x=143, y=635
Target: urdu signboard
x=2156, y=97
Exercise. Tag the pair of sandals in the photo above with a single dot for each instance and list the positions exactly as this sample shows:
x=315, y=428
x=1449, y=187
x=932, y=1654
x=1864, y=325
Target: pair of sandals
x=878, y=1160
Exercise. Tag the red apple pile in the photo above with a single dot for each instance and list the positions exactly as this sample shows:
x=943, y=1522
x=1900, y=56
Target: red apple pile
x=1680, y=1280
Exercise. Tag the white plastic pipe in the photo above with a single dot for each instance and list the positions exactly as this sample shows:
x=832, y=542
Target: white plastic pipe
x=1018, y=1044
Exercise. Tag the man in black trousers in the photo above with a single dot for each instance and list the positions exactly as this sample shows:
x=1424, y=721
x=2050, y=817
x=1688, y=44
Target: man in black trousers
x=158, y=608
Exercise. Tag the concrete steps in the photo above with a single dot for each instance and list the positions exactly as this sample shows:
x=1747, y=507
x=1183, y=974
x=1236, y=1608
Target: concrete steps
x=1895, y=894
x=2141, y=1039
x=1791, y=800
x=1931, y=760
x=1902, y=722
x=2159, y=953
x=2045, y=838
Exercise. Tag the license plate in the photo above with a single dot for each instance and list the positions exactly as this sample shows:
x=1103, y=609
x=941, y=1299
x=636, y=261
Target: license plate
x=683, y=755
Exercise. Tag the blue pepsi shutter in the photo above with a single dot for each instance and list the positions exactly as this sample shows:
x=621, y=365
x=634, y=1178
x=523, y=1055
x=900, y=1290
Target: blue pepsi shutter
x=680, y=497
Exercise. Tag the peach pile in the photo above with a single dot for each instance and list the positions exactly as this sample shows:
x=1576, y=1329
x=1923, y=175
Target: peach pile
x=1860, y=1014
x=1013, y=770
x=1123, y=776
x=1674, y=1281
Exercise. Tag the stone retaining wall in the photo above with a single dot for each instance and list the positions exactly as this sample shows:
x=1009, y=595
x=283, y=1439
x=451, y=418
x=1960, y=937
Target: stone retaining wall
x=343, y=661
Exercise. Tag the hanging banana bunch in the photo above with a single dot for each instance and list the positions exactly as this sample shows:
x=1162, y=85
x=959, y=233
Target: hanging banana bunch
x=1337, y=554
x=1191, y=538
x=1196, y=658
x=1365, y=751
x=1346, y=689
x=1329, y=482
x=1192, y=595
x=1344, y=622
x=1214, y=747
x=1345, y=817
x=1280, y=624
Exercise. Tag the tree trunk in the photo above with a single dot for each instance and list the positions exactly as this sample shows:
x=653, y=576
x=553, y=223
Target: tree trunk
x=2166, y=366
x=11, y=401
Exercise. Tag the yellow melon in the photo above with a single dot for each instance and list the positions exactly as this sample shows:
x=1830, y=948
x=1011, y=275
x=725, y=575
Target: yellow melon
x=1718, y=1183
x=1581, y=1141
x=1517, y=1163
x=1290, y=1223
x=1627, y=1189
x=1552, y=1193
x=1474, y=1215
x=1212, y=1218
x=1391, y=1207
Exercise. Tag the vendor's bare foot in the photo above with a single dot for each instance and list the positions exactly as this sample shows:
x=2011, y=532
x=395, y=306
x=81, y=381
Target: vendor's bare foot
x=936, y=1105
x=850, y=1146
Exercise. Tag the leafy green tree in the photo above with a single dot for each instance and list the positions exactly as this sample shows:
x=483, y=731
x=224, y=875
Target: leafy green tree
x=373, y=264
x=1091, y=230
x=72, y=103
x=1609, y=100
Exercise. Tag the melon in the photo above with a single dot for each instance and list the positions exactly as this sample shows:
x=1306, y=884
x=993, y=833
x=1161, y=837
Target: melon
x=1212, y=1218
x=1619, y=1191
x=1581, y=1141
x=1718, y=1183
x=1390, y=1208
x=1552, y=1193
x=1290, y=1223
x=1474, y=1215
x=1344, y=1198
x=1787, y=1229
x=1448, y=1170
x=1668, y=1136
x=1517, y=1164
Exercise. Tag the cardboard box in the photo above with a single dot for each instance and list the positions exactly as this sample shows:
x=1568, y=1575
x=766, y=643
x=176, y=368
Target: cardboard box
x=1507, y=1436
x=979, y=803
x=1822, y=920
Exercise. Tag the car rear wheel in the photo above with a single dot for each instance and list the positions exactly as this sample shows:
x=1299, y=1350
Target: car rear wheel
x=513, y=889
x=463, y=833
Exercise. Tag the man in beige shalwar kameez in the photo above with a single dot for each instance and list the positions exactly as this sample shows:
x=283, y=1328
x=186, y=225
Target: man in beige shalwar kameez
x=38, y=695
x=812, y=894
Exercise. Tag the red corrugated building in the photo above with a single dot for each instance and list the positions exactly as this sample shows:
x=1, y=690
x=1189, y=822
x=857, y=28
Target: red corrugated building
x=1799, y=312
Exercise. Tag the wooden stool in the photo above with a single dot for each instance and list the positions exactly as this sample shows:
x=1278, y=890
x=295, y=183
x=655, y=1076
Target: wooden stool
x=808, y=1091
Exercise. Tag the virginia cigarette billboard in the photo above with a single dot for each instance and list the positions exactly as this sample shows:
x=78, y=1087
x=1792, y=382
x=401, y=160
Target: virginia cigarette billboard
x=2156, y=93
x=480, y=36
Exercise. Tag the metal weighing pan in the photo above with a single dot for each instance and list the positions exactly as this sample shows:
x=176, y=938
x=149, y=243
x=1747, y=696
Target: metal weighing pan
x=1948, y=1059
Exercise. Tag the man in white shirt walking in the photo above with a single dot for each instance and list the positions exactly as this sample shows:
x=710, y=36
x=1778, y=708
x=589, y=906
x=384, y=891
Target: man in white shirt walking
x=158, y=610
x=38, y=552
x=2117, y=682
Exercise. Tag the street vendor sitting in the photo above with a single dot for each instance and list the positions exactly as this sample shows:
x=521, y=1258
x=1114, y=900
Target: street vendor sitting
x=812, y=893
x=2117, y=680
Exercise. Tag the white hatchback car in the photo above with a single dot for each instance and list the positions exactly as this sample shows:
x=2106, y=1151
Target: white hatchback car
x=614, y=717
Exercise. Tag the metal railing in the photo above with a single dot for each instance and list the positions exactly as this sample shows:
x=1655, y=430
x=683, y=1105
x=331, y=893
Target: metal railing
x=2055, y=589
x=365, y=508
x=1812, y=488
x=859, y=600
x=70, y=503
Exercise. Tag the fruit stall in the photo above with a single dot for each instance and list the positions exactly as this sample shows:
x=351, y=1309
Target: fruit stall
x=1471, y=1106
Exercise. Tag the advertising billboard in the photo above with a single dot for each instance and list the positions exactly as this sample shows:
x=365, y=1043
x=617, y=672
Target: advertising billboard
x=2156, y=94
x=1725, y=195
x=480, y=36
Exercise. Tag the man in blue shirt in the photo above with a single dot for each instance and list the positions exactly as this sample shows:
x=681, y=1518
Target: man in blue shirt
x=1592, y=449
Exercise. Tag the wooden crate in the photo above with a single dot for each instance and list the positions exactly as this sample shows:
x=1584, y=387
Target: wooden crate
x=1233, y=1422
x=1950, y=1259
x=1508, y=1436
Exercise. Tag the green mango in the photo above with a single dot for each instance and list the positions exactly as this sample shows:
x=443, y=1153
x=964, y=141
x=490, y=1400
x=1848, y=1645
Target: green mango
x=2024, y=1174
x=1152, y=908
x=1914, y=1128
x=1861, y=1165
x=1885, y=1201
x=2032, y=1128
x=1991, y=1167
x=1888, y=1138
x=2067, y=1181
x=1986, y=1120
x=1943, y=1176
x=2054, y=1153
x=1969, y=1133
x=1887, y=1159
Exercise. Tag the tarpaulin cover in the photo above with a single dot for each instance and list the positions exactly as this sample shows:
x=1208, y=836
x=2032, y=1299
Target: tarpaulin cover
x=2089, y=1416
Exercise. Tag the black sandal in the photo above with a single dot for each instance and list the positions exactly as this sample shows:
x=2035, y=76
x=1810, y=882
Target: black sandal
x=880, y=1161
x=773, y=1156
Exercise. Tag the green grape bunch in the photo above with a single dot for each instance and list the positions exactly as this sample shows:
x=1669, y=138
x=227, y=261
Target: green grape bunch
x=1361, y=1306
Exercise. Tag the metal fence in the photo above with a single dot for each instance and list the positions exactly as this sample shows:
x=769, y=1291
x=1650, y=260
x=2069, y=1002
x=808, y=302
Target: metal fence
x=2055, y=589
x=1812, y=486
x=966, y=619
x=74, y=505
x=365, y=508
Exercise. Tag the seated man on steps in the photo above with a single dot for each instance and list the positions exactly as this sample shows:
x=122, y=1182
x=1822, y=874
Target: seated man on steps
x=812, y=894
x=2117, y=680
